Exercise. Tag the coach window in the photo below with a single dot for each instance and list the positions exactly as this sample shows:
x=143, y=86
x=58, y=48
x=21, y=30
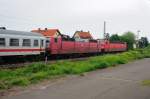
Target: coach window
x=36, y=43
x=14, y=42
x=26, y=42
x=2, y=42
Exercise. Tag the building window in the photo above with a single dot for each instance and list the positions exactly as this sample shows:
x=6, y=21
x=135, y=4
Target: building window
x=26, y=42
x=42, y=43
x=36, y=43
x=14, y=42
x=2, y=42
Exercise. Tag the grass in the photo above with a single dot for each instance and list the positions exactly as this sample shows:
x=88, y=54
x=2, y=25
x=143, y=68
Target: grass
x=146, y=82
x=39, y=71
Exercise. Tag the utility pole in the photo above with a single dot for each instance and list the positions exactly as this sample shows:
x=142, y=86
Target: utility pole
x=137, y=39
x=138, y=33
x=106, y=35
x=104, y=29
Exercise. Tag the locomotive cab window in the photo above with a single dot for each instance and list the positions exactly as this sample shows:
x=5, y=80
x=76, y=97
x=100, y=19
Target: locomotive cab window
x=2, y=42
x=14, y=42
x=36, y=43
x=26, y=42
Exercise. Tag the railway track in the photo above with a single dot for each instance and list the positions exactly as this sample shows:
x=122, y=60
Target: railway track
x=48, y=61
x=24, y=64
x=13, y=65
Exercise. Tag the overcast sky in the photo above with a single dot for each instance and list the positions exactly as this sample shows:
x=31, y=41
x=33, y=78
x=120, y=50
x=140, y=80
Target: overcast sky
x=72, y=15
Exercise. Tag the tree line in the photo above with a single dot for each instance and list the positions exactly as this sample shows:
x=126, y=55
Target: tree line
x=130, y=38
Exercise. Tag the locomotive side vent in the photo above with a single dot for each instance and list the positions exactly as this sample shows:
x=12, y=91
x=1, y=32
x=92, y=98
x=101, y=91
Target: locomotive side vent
x=4, y=28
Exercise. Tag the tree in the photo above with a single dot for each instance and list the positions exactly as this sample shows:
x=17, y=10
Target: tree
x=129, y=38
x=114, y=37
x=143, y=42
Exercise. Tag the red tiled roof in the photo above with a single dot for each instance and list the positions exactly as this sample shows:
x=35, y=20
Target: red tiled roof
x=47, y=32
x=84, y=35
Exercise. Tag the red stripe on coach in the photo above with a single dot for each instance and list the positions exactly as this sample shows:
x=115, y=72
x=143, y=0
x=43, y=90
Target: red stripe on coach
x=20, y=50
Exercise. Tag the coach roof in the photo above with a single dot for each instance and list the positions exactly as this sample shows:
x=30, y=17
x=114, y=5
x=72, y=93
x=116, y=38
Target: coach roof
x=14, y=32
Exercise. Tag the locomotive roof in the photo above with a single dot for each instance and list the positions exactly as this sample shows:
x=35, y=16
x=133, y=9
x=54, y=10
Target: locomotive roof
x=14, y=32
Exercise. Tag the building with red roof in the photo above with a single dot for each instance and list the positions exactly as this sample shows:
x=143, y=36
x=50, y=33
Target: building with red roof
x=78, y=35
x=48, y=32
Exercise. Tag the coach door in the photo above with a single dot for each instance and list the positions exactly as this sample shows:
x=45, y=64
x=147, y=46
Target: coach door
x=41, y=44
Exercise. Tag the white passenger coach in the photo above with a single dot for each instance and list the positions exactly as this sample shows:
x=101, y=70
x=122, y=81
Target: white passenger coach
x=13, y=43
